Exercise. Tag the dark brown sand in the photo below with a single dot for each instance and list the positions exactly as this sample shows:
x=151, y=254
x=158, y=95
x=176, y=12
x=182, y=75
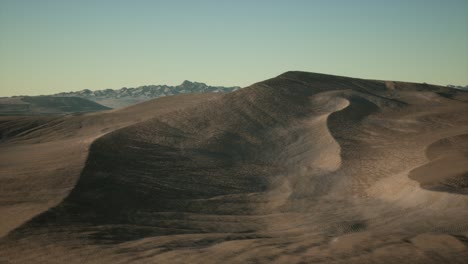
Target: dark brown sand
x=301, y=168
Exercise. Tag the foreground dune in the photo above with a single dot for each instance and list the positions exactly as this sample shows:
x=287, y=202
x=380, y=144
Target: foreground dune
x=42, y=157
x=301, y=168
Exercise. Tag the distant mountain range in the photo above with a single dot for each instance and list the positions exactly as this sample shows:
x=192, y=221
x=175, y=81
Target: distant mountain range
x=91, y=101
x=128, y=96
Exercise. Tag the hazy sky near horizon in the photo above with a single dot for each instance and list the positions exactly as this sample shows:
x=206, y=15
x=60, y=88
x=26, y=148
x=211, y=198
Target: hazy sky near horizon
x=51, y=46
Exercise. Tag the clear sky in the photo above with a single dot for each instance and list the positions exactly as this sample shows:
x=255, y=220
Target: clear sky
x=49, y=46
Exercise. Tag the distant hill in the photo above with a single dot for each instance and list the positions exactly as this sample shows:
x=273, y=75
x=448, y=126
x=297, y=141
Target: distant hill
x=45, y=105
x=465, y=88
x=128, y=96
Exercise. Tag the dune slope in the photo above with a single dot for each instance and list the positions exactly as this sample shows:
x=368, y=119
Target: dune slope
x=301, y=168
x=41, y=157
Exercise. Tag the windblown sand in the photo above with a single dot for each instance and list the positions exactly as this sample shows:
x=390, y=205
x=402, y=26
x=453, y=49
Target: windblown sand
x=301, y=168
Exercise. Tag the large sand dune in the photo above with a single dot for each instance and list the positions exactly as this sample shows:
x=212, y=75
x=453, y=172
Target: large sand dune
x=301, y=168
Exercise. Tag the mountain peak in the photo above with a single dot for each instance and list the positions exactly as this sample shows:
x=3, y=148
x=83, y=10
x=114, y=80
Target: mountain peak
x=128, y=95
x=190, y=83
x=186, y=82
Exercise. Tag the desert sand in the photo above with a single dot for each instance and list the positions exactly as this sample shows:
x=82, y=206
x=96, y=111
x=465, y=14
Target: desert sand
x=301, y=168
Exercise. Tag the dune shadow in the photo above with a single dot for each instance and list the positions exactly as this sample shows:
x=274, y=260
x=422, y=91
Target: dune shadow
x=447, y=169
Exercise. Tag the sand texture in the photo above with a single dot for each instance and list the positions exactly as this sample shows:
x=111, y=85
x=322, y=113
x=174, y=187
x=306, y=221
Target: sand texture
x=301, y=168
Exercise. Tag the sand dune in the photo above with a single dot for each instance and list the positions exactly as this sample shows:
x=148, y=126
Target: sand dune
x=46, y=105
x=42, y=157
x=301, y=168
x=448, y=167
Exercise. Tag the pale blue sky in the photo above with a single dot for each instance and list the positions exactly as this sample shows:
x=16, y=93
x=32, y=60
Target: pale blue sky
x=52, y=46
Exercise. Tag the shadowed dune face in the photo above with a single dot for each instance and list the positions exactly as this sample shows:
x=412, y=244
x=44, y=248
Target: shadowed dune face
x=447, y=169
x=42, y=157
x=301, y=168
